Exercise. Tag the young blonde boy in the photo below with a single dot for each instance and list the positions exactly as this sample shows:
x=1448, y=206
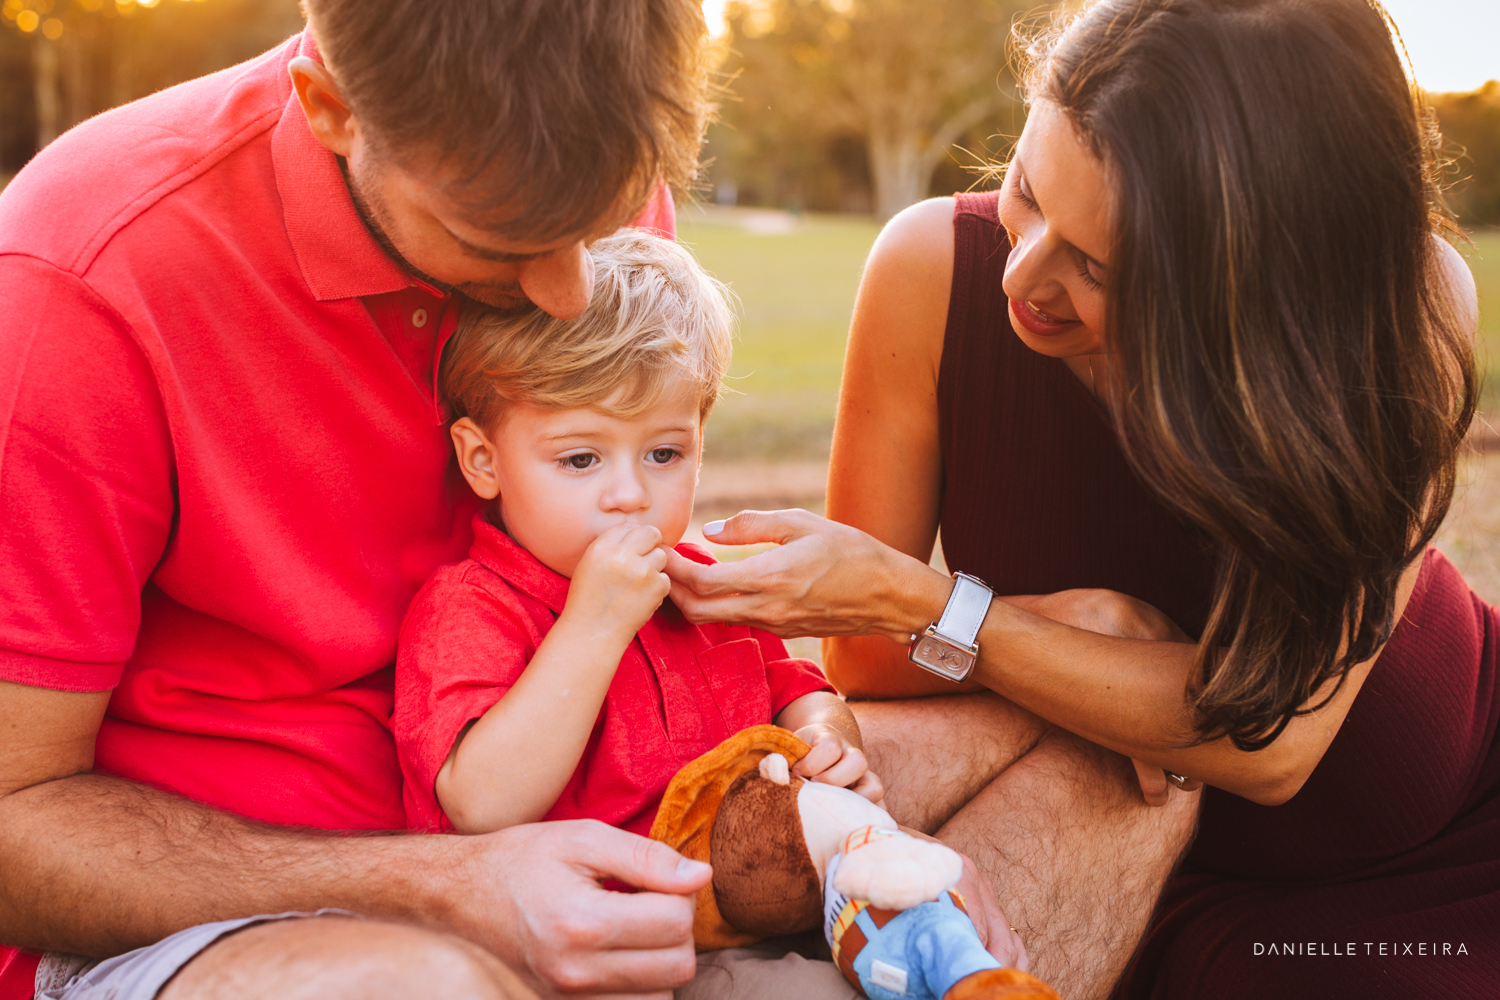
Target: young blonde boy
x=544, y=677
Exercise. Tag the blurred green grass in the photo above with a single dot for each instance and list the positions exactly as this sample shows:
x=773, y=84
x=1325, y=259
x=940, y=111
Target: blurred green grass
x=1484, y=261
x=796, y=290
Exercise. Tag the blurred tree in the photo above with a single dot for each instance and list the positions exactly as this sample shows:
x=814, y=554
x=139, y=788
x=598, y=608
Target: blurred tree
x=62, y=61
x=906, y=79
x=1471, y=133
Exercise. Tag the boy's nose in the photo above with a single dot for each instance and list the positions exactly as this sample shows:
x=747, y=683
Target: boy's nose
x=625, y=493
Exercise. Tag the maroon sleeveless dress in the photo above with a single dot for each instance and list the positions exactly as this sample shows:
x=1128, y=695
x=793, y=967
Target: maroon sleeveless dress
x=1381, y=877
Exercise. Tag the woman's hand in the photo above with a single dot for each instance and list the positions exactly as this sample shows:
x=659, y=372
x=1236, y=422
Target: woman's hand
x=1112, y=613
x=824, y=579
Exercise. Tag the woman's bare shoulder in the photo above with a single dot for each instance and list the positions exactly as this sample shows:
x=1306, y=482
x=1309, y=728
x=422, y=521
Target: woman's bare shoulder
x=903, y=295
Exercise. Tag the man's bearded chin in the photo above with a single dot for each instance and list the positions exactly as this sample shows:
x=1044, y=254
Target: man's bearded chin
x=506, y=297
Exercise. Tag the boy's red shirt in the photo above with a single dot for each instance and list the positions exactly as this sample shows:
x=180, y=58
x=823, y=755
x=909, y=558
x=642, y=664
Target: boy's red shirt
x=680, y=690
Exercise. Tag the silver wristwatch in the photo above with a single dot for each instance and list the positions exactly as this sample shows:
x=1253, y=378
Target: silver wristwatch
x=948, y=648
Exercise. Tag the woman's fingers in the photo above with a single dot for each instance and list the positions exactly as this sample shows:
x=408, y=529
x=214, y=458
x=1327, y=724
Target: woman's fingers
x=755, y=527
x=1153, y=781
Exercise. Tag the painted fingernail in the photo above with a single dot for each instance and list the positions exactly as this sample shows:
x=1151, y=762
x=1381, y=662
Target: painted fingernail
x=713, y=528
x=687, y=868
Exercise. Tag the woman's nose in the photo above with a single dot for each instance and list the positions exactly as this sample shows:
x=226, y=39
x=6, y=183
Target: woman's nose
x=1029, y=270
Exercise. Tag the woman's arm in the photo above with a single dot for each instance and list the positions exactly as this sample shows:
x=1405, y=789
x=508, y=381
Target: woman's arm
x=886, y=476
x=1122, y=693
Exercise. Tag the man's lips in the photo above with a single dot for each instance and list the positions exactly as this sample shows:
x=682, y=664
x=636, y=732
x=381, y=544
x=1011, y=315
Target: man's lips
x=1038, y=323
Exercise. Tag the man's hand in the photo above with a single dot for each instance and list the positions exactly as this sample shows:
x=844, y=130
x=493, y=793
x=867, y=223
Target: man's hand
x=619, y=582
x=563, y=932
x=995, y=932
x=833, y=760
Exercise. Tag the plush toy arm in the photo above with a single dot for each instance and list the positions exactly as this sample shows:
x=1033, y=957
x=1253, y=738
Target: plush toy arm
x=897, y=873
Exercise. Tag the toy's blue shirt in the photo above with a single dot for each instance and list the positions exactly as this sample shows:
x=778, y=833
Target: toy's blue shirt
x=914, y=954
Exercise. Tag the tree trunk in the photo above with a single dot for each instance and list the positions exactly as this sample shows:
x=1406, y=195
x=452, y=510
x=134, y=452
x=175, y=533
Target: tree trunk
x=48, y=105
x=902, y=161
x=896, y=167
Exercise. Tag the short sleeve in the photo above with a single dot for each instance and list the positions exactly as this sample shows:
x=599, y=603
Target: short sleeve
x=788, y=677
x=85, y=481
x=462, y=647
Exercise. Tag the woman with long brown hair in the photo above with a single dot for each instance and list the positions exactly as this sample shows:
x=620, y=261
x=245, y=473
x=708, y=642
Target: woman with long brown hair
x=1199, y=372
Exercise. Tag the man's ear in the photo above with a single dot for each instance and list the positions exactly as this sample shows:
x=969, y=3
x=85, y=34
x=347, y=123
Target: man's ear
x=476, y=457
x=328, y=114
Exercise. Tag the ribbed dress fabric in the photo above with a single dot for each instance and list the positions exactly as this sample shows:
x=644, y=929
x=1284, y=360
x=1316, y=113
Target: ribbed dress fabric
x=1395, y=838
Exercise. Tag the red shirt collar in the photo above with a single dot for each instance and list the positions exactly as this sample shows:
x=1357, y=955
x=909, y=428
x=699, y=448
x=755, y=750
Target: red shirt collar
x=338, y=256
x=498, y=552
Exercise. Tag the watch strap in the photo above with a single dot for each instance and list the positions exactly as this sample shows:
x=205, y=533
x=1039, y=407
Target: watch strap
x=965, y=611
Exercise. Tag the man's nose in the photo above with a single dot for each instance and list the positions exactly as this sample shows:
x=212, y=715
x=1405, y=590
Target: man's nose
x=561, y=283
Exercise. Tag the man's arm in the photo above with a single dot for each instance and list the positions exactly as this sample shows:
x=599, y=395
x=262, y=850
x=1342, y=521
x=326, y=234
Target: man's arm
x=95, y=865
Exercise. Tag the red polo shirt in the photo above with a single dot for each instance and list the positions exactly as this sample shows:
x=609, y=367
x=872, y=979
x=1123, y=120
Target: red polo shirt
x=222, y=475
x=680, y=689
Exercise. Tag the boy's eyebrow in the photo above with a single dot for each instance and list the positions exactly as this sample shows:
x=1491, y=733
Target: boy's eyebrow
x=565, y=434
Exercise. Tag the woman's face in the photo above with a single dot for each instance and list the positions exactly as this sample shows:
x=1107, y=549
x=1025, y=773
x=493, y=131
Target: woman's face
x=1055, y=207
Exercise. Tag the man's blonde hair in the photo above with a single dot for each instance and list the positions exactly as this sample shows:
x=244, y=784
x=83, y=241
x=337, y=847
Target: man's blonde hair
x=657, y=320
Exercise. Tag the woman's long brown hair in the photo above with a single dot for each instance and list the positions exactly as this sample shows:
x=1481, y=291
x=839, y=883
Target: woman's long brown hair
x=1292, y=374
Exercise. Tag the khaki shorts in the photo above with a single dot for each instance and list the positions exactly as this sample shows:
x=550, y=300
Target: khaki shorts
x=771, y=971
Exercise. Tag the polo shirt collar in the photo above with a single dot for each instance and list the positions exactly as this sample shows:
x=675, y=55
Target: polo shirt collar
x=498, y=552
x=338, y=257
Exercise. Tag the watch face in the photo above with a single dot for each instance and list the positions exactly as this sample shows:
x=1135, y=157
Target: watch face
x=942, y=658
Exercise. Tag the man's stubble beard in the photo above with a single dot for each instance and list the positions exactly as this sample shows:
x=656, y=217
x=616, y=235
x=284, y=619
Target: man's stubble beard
x=364, y=191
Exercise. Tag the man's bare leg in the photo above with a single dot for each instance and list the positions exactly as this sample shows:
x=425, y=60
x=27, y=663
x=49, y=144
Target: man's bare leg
x=1076, y=856
x=333, y=958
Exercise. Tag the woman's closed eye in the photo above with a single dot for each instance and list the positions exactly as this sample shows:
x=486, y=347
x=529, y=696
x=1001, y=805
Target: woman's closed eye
x=1086, y=266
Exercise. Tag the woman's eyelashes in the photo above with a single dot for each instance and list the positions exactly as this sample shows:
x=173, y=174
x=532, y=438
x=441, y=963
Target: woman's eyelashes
x=1085, y=271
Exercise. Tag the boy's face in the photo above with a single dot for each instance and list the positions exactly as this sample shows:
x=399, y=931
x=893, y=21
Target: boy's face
x=563, y=477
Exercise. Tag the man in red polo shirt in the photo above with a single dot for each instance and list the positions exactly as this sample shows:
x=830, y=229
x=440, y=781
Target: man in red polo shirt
x=223, y=476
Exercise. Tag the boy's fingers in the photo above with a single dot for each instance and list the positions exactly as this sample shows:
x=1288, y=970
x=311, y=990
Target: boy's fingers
x=869, y=785
x=850, y=768
x=825, y=752
x=643, y=538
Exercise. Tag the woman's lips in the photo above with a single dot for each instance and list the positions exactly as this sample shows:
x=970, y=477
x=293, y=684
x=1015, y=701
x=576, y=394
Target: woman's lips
x=1037, y=323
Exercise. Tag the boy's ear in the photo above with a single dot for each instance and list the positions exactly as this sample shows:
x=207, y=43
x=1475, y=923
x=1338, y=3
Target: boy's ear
x=476, y=457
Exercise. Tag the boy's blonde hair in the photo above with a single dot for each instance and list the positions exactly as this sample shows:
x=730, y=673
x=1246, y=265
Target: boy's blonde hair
x=656, y=320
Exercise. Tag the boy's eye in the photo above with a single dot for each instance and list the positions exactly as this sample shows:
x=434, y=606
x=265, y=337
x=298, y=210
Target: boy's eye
x=662, y=456
x=581, y=461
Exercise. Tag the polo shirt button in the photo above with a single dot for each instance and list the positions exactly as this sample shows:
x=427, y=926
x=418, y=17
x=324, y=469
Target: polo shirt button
x=419, y=318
